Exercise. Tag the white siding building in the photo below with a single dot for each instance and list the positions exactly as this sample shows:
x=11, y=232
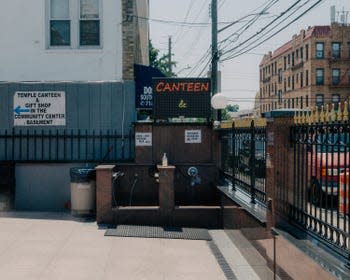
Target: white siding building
x=61, y=40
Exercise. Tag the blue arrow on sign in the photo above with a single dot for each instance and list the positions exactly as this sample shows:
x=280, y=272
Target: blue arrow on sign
x=20, y=110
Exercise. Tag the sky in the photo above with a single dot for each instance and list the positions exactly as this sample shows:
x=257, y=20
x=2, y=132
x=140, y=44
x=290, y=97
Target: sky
x=189, y=25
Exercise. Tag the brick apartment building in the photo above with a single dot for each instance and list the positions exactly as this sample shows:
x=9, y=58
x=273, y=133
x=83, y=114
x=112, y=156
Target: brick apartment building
x=312, y=69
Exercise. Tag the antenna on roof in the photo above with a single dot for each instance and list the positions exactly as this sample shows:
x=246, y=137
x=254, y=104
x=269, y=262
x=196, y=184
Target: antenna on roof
x=332, y=14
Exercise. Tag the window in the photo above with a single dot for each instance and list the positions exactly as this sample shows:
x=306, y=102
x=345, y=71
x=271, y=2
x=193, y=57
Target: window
x=301, y=102
x=288, y=82
x=292, y=58
x=307, y=101
x=319, y=76
x=336, y=100
x=319, y=50
x=280, y=75
x=89, y=29
x=74, y=23
x=319, y=100
x=306, y=52
x=285, y=85
x=307, y=77
x=335, y=76
x=284, y=63
x=293, y=82
x=280, y=96
x=60, y=29
x=297, y=54
x=301, y=53
x=289, y=59
x=301, y=79
x=335, y=50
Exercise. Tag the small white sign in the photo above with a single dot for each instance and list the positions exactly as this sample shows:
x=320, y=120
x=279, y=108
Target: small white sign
x=193, y=136
x=39, y=108
x=143, y=138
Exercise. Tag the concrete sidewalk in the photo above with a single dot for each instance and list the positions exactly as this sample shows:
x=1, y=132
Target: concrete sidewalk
x=50, y=246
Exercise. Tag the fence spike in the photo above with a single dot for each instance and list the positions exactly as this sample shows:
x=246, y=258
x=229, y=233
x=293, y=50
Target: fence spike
x=339, y=113
x=333, y=113
x=345, y=113
x=326, y=115
x=322, y=115
x=303, y=119
x=309, y=117
x=299, y=117
x=316, y=116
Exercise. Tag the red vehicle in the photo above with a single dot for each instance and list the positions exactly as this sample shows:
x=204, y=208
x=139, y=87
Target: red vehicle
x=326, y=162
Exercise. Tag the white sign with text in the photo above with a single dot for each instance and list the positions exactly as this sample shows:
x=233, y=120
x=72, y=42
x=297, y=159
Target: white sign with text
x=193, y=136
x=39, y=108
x=143, y=139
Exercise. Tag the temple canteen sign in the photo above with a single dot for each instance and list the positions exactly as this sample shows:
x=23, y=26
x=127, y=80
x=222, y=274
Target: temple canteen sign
x=39, y=108
x=181, y=97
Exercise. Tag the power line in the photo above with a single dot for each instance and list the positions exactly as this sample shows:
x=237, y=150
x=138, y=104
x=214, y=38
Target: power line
x=274, y=34
x=262, y=29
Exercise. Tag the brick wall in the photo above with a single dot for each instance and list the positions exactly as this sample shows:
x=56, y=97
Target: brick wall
x=135, y=32
x=128, y=33
x=303, y=93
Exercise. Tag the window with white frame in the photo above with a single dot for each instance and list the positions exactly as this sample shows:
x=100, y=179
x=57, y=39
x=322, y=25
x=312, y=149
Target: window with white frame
x=319, y=100
x=319, y=50
x=89, y=24
x=60, y=23
x=336, y=100
x=335, y=76
x=74, y=23
x=336, y=50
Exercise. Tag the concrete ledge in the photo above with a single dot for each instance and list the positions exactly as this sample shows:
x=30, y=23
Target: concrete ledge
x=257, y=210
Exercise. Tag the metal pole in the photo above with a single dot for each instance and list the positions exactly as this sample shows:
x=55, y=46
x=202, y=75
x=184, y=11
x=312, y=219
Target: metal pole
x=252, y=162
x=233, y=181
x=274, y=236
x=274, y=257
x=214, y=51
x=170, y=68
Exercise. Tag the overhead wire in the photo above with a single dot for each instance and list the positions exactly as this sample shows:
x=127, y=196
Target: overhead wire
x=262, y=29
x=177, y=34
x=266, y=6
x=275, y=33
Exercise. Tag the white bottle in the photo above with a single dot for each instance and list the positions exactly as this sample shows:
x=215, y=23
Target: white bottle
x=164, y=160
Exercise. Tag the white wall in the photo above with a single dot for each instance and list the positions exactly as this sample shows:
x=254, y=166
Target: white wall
x=24, y=55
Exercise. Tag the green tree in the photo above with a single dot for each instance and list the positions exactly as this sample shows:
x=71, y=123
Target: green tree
x=232, y=108
x=160, y=62
x=229, y=109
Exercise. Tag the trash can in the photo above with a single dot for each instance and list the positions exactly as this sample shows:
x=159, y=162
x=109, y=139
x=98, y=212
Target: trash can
x=83, y=191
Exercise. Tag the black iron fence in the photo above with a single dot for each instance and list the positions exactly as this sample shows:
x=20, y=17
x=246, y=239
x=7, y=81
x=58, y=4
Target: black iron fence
x=65, y=146
x=243, y=157
x=319, y=199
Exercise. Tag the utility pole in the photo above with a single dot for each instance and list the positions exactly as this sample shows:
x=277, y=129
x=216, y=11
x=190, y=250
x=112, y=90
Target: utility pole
x=170, y=67
x=214, y=51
